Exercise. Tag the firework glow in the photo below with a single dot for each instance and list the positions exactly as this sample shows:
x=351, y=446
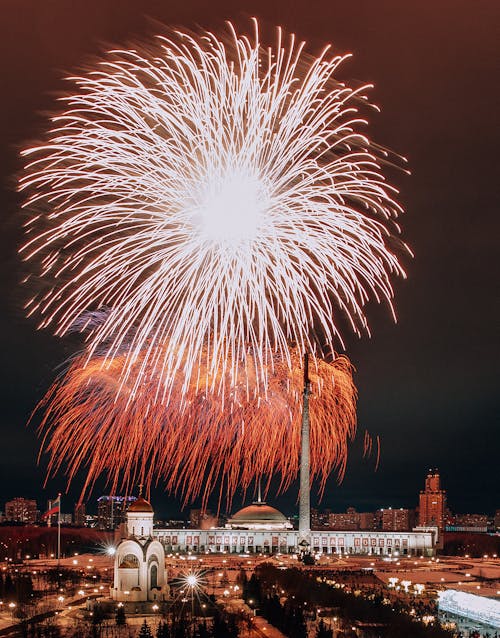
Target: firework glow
x=198, y=440
x=219, y=199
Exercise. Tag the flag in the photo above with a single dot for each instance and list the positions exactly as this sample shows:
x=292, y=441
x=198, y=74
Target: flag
x=54, y=507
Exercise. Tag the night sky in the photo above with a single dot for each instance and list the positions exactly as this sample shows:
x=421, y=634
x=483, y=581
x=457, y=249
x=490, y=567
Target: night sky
x=428, y=384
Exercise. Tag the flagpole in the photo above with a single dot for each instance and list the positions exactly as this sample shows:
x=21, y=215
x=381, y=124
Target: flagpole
x=59, y=530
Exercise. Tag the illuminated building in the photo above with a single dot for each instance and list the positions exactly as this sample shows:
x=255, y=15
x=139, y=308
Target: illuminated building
x=21, y=510
x=139, y=570
x=395, y=520
x=79, y=517
x=320, y=520
x=259, y=516
x=432, y=502
x=496, y=520
x=478, y=608
x=348, y=520
x=259, y=528
x=367, y=520
x=111, y=510
x=468, y=523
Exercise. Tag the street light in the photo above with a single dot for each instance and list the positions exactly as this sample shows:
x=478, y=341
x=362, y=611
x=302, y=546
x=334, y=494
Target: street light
x=191, y=580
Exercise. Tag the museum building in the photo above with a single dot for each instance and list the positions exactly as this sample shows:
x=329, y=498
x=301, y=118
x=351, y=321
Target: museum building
x=260, y=528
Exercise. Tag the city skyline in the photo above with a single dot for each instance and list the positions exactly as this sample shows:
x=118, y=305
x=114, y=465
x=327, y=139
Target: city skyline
x=419, y=505
x=431, y=401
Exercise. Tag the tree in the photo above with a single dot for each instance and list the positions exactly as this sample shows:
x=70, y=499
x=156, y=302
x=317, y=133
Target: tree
x=242, y=579
x=120, y=617
x=163, y=630
x=9, y=588
x=97, y=620
x=145, y=631
x=323, y=631
x=202, y=631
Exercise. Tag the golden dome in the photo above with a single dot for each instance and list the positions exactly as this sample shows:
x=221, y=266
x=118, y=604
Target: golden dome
x=141, y=506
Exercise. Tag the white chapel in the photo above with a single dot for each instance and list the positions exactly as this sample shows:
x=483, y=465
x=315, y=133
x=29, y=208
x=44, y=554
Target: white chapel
x=139, y=570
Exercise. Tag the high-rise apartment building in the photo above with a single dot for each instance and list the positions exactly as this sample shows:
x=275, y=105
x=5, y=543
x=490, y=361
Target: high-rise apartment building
x=432, y=502
x=111, y=510
x=349, y=520
x=79, y=517
x=396, y=520
x=366, y=520
x=21, y=510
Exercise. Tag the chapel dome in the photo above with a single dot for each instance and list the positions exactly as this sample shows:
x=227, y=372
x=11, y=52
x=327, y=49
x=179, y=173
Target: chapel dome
x=141, y=506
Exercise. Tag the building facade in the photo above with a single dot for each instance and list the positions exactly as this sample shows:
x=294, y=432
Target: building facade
x=139, y=570
x=349, y=520
x=260, y=528
x=432, y=502
x=287, y=541
x=21, y=510
x=79, y=516
x=111, y=510
x=396, y=520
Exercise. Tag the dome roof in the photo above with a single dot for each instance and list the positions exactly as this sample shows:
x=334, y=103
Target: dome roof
x=258, y=513
x=141, y=505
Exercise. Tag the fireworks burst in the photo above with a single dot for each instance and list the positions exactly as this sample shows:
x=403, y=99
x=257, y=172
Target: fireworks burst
x=197, y=440
x=218, y=197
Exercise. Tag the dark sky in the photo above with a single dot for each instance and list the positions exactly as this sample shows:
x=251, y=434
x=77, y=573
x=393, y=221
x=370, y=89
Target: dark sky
x=428, y=385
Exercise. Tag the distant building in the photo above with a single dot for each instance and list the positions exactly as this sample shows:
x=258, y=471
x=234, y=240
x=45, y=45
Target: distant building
x=259, y=528
x=79, y=517
x=320, y=520
x=367, y=520
x=471, y=520
x=396, y=520
x=21, y=510
x=468, y=523
x=432, y=502
x=111, y=510
x=66, y=519
x=349, y=520
x=496, y=520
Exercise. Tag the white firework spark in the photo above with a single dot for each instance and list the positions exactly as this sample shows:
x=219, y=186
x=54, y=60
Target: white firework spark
x=213, y=195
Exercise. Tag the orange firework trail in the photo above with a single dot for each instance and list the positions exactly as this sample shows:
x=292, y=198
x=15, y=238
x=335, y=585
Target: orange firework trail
x=195, y=441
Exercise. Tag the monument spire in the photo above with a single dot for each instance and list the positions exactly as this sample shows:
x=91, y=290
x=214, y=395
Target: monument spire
x=305, y=486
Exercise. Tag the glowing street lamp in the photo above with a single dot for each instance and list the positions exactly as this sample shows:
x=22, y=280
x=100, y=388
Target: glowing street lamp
x=405, y=584
x=191, y=580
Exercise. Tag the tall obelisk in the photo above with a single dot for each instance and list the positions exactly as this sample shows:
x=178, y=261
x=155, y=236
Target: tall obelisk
x=305, y=487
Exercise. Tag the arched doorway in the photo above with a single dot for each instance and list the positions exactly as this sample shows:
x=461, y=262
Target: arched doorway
x=153, y=576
